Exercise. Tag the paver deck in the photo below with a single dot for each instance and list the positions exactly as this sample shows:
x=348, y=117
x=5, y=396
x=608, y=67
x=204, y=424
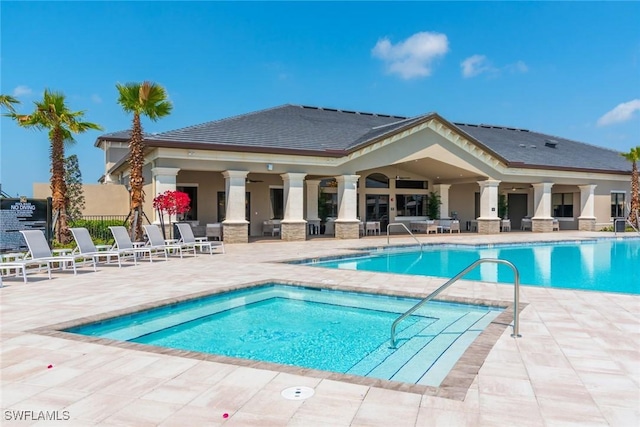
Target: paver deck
x=578, y=362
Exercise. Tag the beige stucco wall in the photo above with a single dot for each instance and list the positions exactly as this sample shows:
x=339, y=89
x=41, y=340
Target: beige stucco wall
x=99, y=199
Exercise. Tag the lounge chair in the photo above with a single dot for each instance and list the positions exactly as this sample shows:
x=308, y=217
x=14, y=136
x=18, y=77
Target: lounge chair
x=85, y=246
x=124, y=243
x=40, y=253
x=157, y=242
x=188, y=239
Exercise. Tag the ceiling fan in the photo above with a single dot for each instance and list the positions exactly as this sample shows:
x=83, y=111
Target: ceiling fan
x=400, y=178
x=252, y=181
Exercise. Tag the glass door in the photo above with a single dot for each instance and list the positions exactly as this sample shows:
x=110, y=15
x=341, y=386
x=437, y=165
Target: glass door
x=378, y=209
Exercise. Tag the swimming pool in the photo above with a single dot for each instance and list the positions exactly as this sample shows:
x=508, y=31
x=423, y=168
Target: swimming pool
x=329, y=330
x=602, y=265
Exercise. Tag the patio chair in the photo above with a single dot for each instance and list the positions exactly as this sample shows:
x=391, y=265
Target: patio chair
x=157, y=242
x=85, y=246
x=187, y=239
x=124, y=243
x=214, y=231
x=40, y=253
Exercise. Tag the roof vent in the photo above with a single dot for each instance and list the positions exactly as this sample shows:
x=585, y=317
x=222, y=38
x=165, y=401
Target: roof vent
x=551, y=143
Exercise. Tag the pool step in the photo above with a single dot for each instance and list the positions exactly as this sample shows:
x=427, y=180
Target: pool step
x=429, y=352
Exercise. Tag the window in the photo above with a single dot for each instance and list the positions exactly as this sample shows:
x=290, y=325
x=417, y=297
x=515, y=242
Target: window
x=562, y=205
x=328, y=205
x=411, y=205
x=377, y=180
x=413, y=184
x=617, y=205
x=192, y=192
x=277, y=203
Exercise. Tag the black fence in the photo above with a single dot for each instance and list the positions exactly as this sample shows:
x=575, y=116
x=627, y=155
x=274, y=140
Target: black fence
x=98, y=225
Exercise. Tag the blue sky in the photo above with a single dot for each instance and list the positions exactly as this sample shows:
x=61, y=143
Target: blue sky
x=570, y=69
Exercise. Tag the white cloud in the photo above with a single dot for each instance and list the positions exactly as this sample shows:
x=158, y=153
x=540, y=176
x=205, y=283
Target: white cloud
x=22, y=90
x=474, y=65
x=414, y=56
x=478, y=64
x=621, y=113
x=518, y=67
x=96, y=99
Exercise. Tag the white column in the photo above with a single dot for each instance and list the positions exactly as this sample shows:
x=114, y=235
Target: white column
x=443, y=191
x=235, y=196
x=347, y=197
x=164, y=179
x=488, y=199
x=313, y=191
x=587, y=201
x=293, y=196
x=542, y=200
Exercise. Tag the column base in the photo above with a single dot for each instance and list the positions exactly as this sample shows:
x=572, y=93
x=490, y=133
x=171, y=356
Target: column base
x=235, y=232
x=541, y=225
x=347, y=229
x=489, y=225
x=586, y=224
x=293, y=231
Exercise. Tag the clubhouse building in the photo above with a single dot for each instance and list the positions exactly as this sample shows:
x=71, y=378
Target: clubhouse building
x=299, y=167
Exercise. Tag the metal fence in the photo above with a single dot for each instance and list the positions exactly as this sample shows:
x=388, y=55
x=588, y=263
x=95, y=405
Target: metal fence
x=98, y=225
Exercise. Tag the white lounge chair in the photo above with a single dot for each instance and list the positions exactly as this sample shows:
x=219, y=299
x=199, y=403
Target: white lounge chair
x=157, y=242
x=40, y=253
x=124, y=243
x=85, y=246
x=188, y=239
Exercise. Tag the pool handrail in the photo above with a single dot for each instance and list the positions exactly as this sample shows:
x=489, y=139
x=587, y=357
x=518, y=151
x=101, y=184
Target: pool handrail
x=516, y=296
x=626, y=221
x=408, y=231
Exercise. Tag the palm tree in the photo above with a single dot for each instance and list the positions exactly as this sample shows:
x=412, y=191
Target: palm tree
x=53, y=114
x=147, y=99
x=8, y=101
x=634, y=156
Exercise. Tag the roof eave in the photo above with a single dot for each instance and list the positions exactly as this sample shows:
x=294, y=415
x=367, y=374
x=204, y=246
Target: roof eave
x=523, y=165
x=244, y=149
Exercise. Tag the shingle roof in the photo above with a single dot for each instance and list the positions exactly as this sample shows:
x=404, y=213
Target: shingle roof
x=316, y=130
x=287, y=127
x=537, y=149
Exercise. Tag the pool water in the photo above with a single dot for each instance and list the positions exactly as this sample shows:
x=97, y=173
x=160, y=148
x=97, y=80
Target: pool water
x=600, y=265
x=344, y=332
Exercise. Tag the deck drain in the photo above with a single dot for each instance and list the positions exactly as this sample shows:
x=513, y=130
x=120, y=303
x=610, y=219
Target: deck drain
x=297, y=393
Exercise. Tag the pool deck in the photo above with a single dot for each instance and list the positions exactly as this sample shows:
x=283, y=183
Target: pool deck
x=577, y=363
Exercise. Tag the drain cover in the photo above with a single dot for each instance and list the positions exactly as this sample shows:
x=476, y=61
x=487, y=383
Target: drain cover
x=297, y=393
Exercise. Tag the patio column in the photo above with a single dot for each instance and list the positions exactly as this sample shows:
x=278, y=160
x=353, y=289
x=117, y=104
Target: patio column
x=164, y=179
x=587, y=218
x=488, y=221
x=443, y=191
x=235, y=226
x=294, y=227
x=313, y=192
x=542, y=221
x=347, y=224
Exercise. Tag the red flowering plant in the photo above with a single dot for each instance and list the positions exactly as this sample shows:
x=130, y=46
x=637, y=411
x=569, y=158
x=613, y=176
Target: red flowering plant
x=171, y=203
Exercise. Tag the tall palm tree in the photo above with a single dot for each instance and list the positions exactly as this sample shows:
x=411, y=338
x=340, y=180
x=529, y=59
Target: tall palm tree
x=148, y=99
x=53, y=114
x=8, y=102
x=634, y=156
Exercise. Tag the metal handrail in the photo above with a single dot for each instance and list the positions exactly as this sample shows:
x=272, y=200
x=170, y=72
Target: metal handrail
x=626, y=221
x=408, y=231
x=516, y=296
